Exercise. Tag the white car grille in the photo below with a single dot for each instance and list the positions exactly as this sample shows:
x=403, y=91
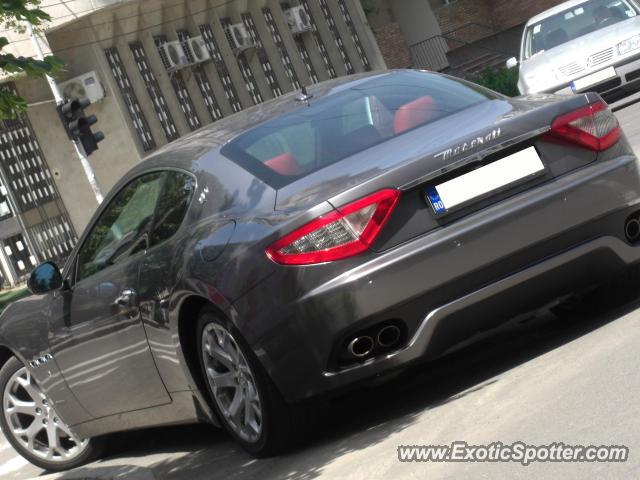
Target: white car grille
x=571, y=69
x=574, y=68
x=601, y=57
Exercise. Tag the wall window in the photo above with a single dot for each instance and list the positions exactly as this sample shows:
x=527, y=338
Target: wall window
x=130, y=100
x=221, y=67
x=180, y=87
x=317, y=38
x=154, y=91
x=5, y=210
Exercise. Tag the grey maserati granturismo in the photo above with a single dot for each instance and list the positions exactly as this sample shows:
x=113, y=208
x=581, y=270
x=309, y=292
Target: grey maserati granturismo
x=310, y=244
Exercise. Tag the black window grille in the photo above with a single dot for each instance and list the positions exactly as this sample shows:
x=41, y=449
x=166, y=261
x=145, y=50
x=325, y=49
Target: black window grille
x=129, y=97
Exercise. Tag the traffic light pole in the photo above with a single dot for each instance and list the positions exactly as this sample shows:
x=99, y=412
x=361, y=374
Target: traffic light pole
x=60, y=100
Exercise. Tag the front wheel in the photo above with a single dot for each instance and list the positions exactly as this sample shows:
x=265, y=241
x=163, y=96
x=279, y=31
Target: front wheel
x=248, y=404
x=32, y=426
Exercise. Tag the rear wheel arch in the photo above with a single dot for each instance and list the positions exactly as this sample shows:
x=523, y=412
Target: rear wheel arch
x=5, y=355
x=188, y=332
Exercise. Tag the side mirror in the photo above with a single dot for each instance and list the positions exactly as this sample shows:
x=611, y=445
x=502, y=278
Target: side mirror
x=45, y=278
x=512, y=63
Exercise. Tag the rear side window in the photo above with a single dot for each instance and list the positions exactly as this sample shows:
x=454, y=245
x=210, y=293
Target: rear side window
x=335, y=127
x=173, y=205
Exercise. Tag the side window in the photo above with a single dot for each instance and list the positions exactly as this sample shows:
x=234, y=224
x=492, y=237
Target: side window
x=175, y=200
x=119, y=230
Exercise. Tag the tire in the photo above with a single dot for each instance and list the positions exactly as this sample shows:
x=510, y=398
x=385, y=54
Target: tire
x=16, y=383
x=274, y=433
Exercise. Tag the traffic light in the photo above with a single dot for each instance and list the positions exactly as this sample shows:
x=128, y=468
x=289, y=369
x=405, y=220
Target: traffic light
x=78, y=125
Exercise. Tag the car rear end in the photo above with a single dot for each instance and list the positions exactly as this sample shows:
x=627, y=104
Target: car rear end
x=455, y=222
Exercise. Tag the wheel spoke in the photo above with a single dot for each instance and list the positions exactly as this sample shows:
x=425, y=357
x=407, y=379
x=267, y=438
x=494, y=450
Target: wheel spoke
x=31, y=432
x=220, y=355
x=231, y=348
x=20, y=406
x=222, y=380
x=236, y=404
x=29, y=387
x=248, y=410
x=53, y=441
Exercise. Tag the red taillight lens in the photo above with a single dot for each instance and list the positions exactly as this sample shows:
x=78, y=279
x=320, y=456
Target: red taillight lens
x=346, y=232
x=594, y=127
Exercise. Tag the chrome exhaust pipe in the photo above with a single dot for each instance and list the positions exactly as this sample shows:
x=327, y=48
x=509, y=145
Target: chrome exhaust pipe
x=632, y=229
x=361, y=346
x=388, y=336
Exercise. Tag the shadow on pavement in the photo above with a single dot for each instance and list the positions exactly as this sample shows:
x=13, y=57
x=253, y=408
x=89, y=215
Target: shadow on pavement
x=355, y=420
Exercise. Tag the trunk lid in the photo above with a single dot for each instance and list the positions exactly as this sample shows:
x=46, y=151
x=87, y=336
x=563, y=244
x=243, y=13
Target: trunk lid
x=440, y=151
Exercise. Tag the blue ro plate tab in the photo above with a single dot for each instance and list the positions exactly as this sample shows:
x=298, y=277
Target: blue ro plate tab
x=436, y=202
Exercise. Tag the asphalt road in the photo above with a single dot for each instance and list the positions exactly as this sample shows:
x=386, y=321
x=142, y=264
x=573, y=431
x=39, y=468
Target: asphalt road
x=572, y=379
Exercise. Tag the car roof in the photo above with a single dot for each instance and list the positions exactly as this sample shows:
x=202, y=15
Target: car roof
x=557, y=9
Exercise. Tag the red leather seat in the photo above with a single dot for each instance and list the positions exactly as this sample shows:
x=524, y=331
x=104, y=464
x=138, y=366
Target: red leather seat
x=414, y=114
x=284, y=164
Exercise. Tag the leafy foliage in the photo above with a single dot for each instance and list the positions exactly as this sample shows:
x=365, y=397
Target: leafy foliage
x=14, y=15
x=501, y=80
x=370, y=8
x=7, y=297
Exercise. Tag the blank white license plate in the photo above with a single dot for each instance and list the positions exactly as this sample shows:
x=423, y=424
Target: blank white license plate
x=593, y=79
x=485, y=180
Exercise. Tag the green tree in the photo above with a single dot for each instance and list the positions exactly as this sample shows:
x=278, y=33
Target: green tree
x=14, y=14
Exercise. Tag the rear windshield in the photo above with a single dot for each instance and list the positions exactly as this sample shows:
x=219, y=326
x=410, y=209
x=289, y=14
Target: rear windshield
x=337, y=126
x=574, y=23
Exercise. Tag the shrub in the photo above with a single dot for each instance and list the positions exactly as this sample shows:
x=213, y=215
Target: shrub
x=11, y=296
x=502, y=80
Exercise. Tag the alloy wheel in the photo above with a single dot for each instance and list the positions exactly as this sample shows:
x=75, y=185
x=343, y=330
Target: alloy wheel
x=232, y=382
x=33, y=422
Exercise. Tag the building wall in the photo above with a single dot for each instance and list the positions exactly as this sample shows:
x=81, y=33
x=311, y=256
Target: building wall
x=61, y=12
x=412, y=28
x=127, y=33
x=496, y=14
x=393, y=45
x=505, y=16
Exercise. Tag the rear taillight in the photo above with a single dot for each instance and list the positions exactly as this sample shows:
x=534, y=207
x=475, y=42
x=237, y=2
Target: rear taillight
x=345, y=232
x=594, y=127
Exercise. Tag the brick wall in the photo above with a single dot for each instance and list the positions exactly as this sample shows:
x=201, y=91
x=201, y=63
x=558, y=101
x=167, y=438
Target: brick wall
x=498, y=14
x=452, y=17
x=393, y=46
x=506, y=16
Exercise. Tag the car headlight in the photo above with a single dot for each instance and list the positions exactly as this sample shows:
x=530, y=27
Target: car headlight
x=629, y=45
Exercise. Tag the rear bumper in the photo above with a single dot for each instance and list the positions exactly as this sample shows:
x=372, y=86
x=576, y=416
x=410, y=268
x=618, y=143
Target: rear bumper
x=447, y=285
x=625, y=83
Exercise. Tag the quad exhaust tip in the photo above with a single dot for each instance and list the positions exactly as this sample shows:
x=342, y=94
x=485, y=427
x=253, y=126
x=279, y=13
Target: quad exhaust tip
x=364, y=345
x=632, y=229
x=389, y=336
x=361, y=346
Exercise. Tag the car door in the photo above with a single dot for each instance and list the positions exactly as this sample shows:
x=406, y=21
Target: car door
x=161, y=268
x=100, y=344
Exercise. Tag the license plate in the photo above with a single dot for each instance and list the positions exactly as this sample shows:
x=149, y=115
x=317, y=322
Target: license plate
x=593, y=79
x=484, y=180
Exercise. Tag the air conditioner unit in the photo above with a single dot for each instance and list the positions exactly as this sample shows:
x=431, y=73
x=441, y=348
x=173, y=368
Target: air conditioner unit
x=199, y=50
x=240, y=37
x=83, y=86
x=175, y=55
x=298, y=19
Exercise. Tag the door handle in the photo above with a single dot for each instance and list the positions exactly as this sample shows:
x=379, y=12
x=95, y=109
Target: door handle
x=126, y=298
